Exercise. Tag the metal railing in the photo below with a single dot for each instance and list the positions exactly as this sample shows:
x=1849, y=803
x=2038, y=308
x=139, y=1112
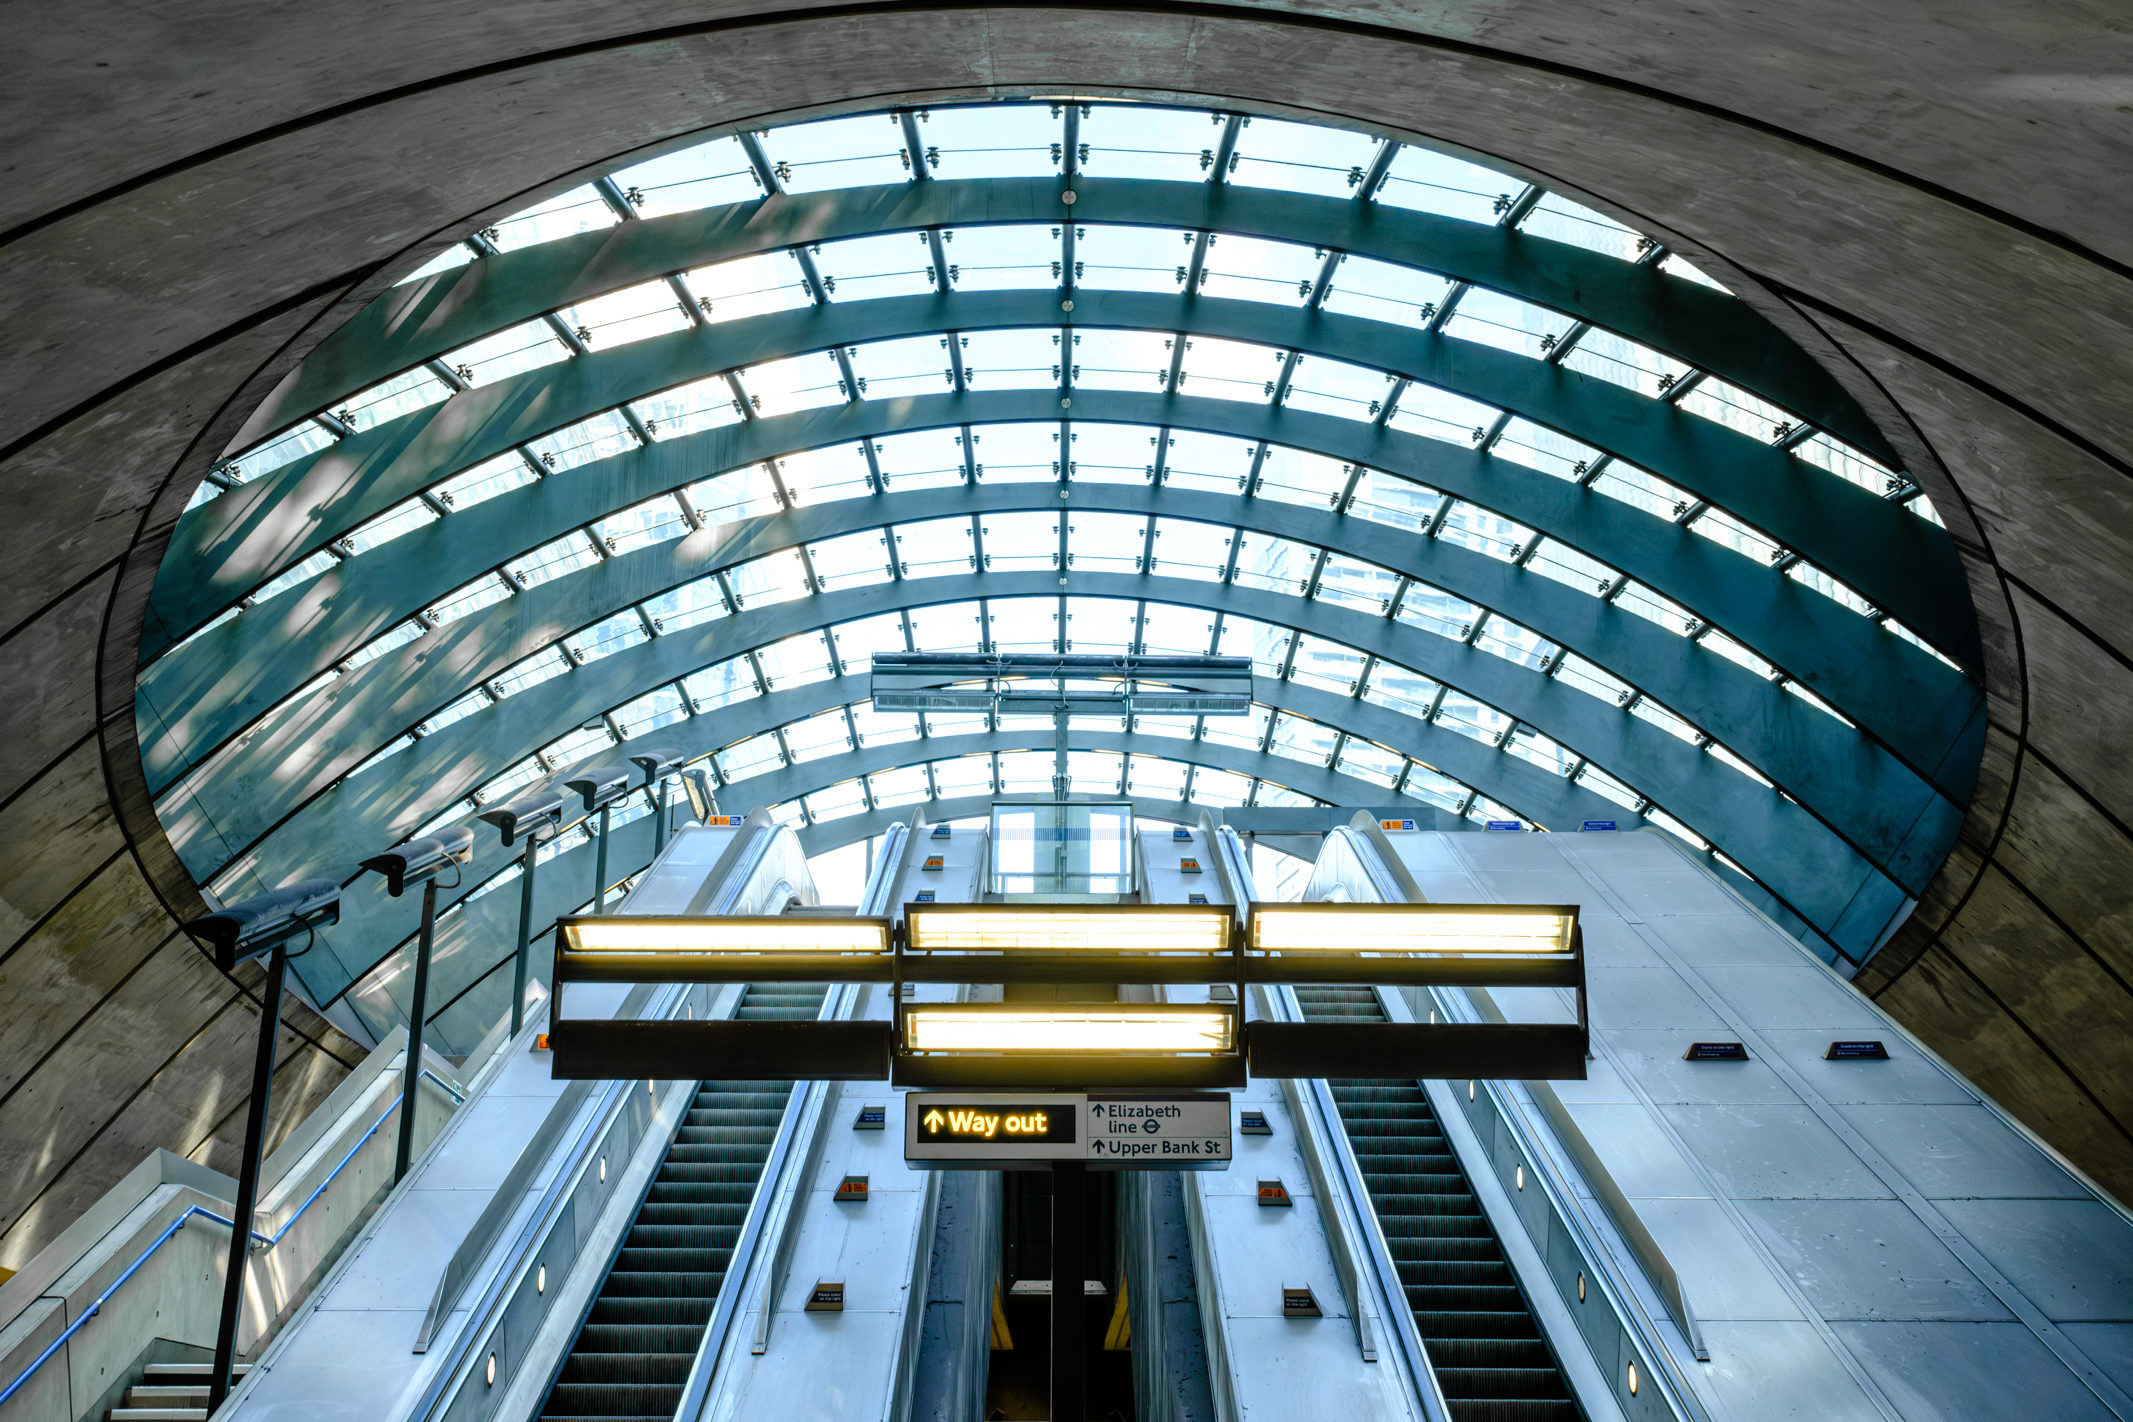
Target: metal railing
x=260, y=1241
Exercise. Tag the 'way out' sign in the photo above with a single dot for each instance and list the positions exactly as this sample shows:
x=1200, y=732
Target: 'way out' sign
x=1110, y=1130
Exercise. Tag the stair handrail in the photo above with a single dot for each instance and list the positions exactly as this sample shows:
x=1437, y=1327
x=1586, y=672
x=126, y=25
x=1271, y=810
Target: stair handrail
x=259, y=1240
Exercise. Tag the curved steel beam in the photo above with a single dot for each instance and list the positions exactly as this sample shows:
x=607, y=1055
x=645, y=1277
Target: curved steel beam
x=220, y=814
x=214, y=687
x=1708, y=329
x=1899, y=560
x=197, y=696
x=1838, y=774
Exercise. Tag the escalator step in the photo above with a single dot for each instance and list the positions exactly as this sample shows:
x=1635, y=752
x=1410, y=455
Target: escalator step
x=632, y=1357
x=1490, y=1359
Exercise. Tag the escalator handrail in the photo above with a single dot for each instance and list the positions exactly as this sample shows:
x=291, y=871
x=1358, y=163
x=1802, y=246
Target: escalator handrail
x=746, y=1245
x=888, y=865
x=443, y=1383
x=1557, y=1186
x=1346, y=1175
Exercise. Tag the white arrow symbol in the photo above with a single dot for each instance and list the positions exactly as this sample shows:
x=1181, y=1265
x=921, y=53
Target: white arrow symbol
x=933, y=1120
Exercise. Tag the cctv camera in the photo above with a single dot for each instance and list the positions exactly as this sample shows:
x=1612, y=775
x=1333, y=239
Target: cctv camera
x=657, y=765
x=529, y=816
x=600, y=786
x=424, y=858
x=255, y=926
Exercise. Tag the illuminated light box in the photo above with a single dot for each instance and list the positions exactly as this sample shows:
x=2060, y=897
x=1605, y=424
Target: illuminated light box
x=1401, y=930
x=1098, y=1029
x=1068, y=928
x=652, y=935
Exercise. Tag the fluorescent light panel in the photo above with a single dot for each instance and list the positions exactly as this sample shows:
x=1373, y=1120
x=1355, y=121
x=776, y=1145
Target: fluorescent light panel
x=1050, y=928
x=1408, y=928
x=1095, y=1029
x=623, y=934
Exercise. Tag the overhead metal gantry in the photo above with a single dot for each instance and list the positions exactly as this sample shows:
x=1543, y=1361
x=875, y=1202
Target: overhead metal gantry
x=1667, y=664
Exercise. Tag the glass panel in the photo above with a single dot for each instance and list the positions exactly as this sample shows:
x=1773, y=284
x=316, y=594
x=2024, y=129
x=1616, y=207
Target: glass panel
x=1847, y=464
x=605, y=434
x=945, y=627
x=1004, y=257
x=1515, y=643
x=1240, y=732
x=1304, y=158
x=708, y=175
x=377, y=647
x=1529, y=444
x=449, y=259
x=1025, y=773
x=856, y=560
x=1473, y=719
x=1566, y=565
x=784, y=387
x=749, y=286
x=1274, y=564
x=1293, y=476
x=651, y=712
x=794, y=661
x=1367, y=760
x=504, y=786
x=1021, y=542
x=1121, y=360
x=923, y=459
x=721, y=685
x=750, y=757
x=1641, y=490
x=604, y=639
x=1720, y=527
x=632, y=314
x=963, y=776
x=1622, y=361
x=836, y=801
x=738, y=494
x=689, y=605
x=302, y=573
x=1131, y=258
x=579, y=210
x=1024, y=624
x=935, y=547
x=286, y=448
x=893, y=789
x=1299, y=739
x=818, y=736
x=1434, y=182
x=1660, y=611
x=1216, y=464
x=1398, y=689
x=1676, y=265
x=1176, y=727
x=482, y=592
x=1657, y=715
x=1266, y=645
x=769, y=580
x=653, y=521
x=992, y=141
x=1062, y=849
x=1350, y=582
x=837, y=153
x=1593, y=680
x=1096, y=773
x=1154, y=777
x=1143, y=141
x=1113, y=454
x=1099, y=624
x=1012, y=359
x=581, y=744
x=459, y=710
x=915, y=365
x=1171, y=629
x=1219, y=789
x=387, y=526
x=686, y=409
x=1382, y=291
x=1334, y=387
x=1329, y=666
x=1394, y=501
x=883, y=728
x=552, y=560
x=1438, y=414
x=1531, y=746
x=511, y=352
x=859, y=640
x=403, y=394
x=1736, y=409
x=866, y=268
x=1229, y=370
x=1435, y=610
x=1254, y=269
x=1184, y=549
x=1558, y=219
x=1494, y=319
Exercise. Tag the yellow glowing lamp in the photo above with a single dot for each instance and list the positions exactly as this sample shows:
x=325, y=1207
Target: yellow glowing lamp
x=1408, y=930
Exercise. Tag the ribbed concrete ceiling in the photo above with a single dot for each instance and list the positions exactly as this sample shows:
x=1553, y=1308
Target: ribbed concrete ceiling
x=1923, y=200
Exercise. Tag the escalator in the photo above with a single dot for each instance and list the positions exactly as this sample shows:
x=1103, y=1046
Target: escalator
x=632, y=1357
x=1483, y=1343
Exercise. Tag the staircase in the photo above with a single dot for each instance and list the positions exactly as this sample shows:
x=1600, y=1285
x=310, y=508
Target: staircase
x=632, y=1357
x=169, y=1392
x=1486, y=1350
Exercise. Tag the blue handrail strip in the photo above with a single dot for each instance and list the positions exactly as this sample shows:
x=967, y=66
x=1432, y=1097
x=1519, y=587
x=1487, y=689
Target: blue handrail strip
x=179, y=1223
